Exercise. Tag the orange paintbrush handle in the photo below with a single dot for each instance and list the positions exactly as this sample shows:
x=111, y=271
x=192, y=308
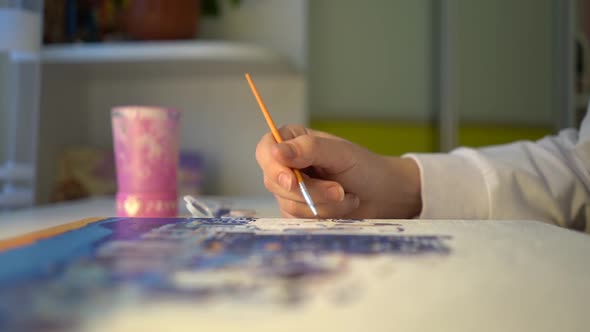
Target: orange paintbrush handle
x=279, y=139
x=267, y=117
x=269, y=121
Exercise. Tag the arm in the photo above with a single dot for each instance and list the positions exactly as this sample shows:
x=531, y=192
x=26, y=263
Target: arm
x=547, y=180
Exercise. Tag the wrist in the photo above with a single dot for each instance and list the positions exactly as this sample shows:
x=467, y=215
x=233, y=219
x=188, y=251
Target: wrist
x=413, y=187
x=403, y=197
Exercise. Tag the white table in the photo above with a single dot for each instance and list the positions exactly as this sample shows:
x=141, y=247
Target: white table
x=500, y=276
x=28, y=220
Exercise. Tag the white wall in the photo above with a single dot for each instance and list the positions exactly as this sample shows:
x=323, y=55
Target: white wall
x=504, y=61
x=373, y=59
x=63, y=122
x=370, y=59
x=278, y=24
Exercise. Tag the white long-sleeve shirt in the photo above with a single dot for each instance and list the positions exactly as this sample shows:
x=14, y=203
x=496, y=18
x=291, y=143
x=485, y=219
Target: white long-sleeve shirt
x=547, y=180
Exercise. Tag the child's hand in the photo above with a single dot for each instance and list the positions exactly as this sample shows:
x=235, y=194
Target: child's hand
x=344, y=179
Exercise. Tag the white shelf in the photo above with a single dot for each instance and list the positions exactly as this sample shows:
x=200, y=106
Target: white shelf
x=16, y=172
x=125, y=52
x=15, y=198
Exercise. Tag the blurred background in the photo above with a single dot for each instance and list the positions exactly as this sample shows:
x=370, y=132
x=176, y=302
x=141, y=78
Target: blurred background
x=395, y=76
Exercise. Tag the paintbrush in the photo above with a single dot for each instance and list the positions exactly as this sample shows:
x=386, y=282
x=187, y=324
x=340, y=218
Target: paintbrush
x=279, y=139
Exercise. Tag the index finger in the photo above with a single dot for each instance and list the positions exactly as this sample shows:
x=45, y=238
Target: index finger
x=270, y=166
x=264, y=148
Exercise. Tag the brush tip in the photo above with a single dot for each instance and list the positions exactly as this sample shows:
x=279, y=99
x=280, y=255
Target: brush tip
x=313, y=210
x=307, y=198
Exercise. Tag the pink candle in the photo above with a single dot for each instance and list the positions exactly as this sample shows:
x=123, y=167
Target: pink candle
x=146, y=156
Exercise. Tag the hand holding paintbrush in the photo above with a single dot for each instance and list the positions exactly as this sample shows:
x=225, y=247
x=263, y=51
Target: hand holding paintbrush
x=347, y=181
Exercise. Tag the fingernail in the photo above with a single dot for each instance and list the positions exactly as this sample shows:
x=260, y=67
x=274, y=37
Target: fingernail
x=285, y=181
x=287, y=150
x=335, y=193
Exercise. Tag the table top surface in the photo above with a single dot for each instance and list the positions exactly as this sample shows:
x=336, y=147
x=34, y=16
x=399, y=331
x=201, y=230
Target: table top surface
x=28, y=220
x=496, y=275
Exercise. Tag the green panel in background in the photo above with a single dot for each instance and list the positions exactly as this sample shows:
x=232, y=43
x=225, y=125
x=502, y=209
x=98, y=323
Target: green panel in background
x=396, y=137
x=477, y=135
x=385, y=137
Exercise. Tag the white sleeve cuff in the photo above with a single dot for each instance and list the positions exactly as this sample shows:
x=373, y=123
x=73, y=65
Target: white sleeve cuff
x=452, y=187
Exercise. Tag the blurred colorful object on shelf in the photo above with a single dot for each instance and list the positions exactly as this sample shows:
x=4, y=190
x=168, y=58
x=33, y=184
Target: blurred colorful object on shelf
x=190, y=173
x=83, y=172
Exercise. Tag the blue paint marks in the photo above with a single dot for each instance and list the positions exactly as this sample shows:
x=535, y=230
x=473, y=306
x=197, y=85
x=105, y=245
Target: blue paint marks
x=225, y=220
x=57, y=282
x=328, y=243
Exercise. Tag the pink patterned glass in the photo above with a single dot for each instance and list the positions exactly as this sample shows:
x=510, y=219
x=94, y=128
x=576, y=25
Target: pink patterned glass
x=146, y=157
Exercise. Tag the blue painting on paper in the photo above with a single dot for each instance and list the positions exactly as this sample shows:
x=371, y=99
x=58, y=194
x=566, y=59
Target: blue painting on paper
x=56, y=283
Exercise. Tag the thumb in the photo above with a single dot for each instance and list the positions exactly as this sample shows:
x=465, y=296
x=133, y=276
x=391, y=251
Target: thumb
x=333, y=155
